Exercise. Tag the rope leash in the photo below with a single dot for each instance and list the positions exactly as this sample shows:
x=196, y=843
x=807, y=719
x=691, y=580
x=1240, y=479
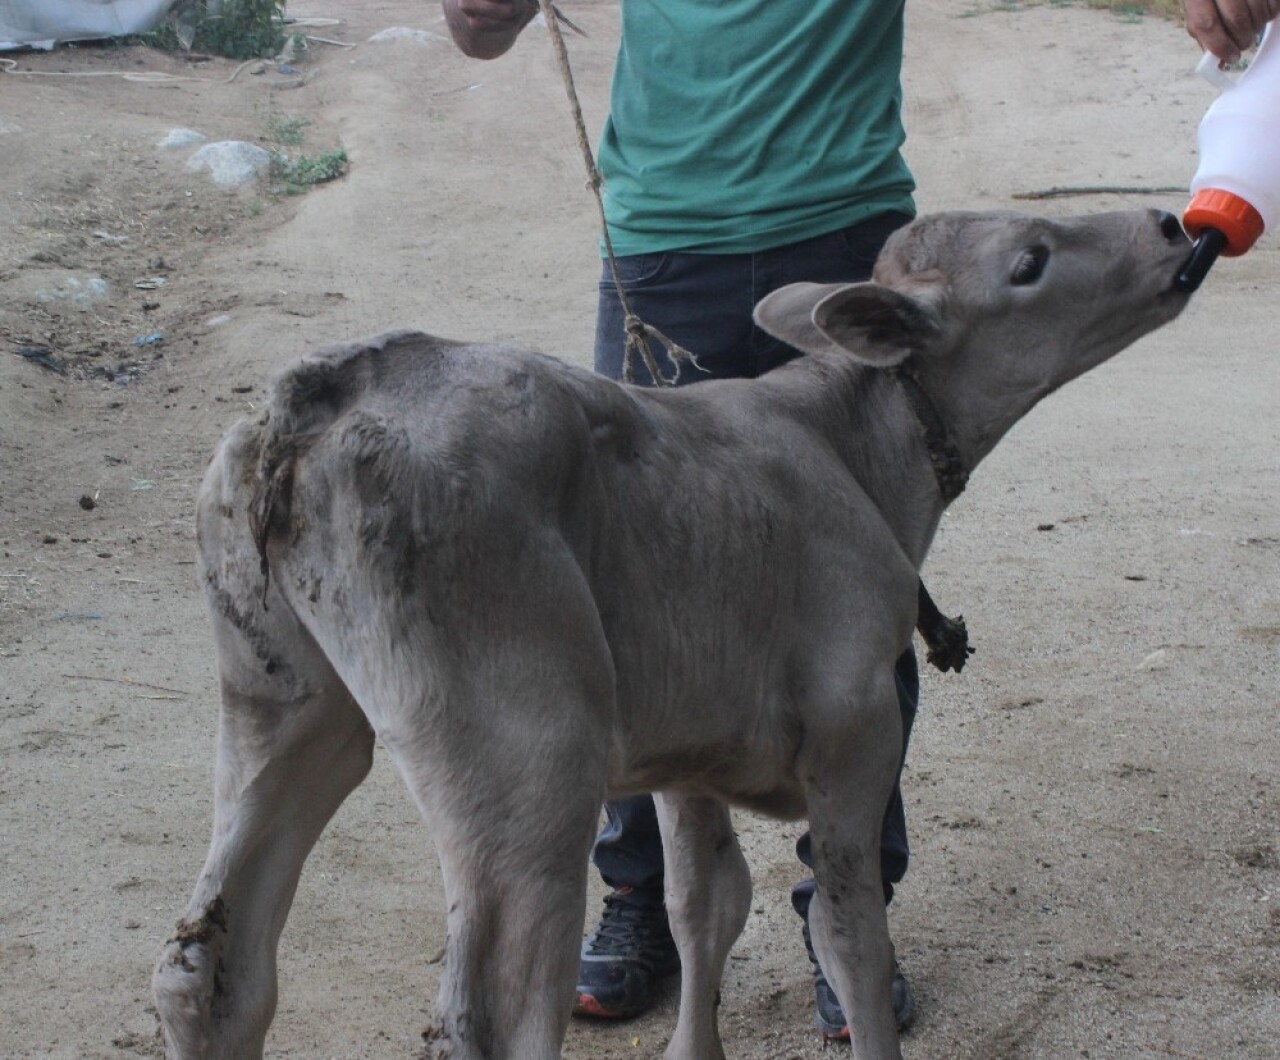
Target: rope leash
x=149, y=77
x=638, y=332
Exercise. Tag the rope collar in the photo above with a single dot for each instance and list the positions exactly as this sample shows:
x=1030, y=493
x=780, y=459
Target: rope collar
x=948, y=465
x=947, y=639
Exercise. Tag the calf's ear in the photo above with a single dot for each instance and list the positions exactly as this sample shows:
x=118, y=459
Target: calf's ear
x=875, y=324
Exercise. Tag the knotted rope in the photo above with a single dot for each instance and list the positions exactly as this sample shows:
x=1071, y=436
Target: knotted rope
x=638, y=332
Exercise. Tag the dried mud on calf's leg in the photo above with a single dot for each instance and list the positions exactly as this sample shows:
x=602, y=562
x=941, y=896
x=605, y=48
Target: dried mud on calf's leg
x=199, y=932
x=214, y=919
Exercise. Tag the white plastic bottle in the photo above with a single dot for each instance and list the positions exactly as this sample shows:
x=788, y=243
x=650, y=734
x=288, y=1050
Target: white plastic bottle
x=1236, y=190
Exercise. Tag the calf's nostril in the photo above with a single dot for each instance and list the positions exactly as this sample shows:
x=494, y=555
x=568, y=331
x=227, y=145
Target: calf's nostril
x=1170, y=228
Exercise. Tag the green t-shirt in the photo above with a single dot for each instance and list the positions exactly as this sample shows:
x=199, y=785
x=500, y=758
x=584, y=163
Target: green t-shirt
x=739, y=125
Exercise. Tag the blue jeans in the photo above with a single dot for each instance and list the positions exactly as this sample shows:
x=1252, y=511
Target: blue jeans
x=703, y=302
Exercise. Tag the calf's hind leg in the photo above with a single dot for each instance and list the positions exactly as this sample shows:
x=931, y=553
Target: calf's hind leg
x=514, y=865
x=499, y=724
x=507, y=764
x=291, y=745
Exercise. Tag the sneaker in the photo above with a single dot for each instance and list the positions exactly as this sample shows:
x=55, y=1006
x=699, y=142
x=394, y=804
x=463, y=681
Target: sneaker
x=830, y=1019
x=630, y=952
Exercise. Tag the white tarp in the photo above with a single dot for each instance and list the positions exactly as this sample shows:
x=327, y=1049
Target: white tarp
x=44, y=23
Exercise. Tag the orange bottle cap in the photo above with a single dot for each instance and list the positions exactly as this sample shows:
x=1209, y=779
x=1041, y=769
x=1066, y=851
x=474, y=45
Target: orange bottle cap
x=1229, y=214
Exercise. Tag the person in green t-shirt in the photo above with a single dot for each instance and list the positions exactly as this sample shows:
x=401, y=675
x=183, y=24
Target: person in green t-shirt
x=750, y=144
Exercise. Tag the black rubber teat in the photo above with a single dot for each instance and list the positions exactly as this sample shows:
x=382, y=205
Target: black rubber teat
x=1207, y=247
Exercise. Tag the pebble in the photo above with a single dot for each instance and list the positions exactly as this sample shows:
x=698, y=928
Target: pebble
x=177, y=138
x=231, y=163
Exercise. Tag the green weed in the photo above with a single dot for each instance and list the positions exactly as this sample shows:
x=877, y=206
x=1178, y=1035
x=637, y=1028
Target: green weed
x=284, y=129
x=296, y=175
x=242, y=29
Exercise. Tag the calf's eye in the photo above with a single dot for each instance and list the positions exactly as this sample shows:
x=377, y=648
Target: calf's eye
x=1029, y=266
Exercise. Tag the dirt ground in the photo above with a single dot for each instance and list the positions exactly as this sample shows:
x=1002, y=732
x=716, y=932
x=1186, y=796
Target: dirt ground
x=1093, y=803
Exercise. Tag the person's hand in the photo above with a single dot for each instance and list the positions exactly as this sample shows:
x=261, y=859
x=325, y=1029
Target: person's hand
x=485, y=29
x=1228, y=27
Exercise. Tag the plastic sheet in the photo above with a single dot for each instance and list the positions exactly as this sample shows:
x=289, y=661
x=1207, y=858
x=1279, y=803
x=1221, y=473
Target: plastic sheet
x=44, y=23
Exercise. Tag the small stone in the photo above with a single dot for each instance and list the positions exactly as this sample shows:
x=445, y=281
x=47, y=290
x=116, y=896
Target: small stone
x=231, y=163
x=88, y=503
x=1157, y=660
x=181, y=138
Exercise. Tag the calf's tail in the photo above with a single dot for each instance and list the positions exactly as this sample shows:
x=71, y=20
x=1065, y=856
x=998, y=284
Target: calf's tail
x=303, y=401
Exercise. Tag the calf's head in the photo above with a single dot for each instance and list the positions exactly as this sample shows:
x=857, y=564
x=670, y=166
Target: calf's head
x=992, y=311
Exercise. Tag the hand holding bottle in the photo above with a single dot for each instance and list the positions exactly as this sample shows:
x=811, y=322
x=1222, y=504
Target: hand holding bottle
x=1227, y=28
x=1236, y=189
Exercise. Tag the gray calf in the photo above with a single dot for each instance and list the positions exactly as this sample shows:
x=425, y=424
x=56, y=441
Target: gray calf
x=537, y=587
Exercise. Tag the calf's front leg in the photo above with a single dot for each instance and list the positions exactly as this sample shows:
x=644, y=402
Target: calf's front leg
x=708, y=896
x=849, y=777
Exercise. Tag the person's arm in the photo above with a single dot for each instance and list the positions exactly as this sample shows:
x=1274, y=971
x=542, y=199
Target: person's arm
x=485, y=29
x=1228, y=27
